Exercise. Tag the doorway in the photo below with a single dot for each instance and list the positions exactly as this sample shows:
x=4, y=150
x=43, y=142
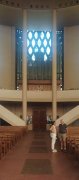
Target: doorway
x=39, y=119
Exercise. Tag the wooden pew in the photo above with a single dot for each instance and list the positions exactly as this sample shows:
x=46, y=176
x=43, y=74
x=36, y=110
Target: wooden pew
x=77, y=149
x=0, y=149
x=9, y=136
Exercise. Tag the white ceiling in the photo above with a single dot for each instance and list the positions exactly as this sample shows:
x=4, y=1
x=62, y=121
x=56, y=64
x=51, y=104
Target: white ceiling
x=65, y=17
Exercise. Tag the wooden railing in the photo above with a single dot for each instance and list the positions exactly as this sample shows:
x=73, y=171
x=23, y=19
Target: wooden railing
x=44, y=85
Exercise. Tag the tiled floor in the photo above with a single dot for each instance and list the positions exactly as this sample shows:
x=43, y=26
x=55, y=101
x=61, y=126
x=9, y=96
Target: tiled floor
x=64, y=166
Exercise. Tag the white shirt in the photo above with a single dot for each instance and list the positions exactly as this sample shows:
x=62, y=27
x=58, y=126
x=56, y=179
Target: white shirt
x=54, y=129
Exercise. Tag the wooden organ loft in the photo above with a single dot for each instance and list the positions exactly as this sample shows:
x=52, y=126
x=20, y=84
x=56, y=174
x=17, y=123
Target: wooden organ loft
x=39, y=85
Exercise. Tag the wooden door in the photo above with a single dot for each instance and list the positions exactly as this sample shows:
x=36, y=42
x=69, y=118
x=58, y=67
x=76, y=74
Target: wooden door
x=39, y=119
x=42, y=119
x=36, y=119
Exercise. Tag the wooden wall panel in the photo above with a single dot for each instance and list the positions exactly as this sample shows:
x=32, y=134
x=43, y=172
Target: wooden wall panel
x=43, y=85
x=36, y=87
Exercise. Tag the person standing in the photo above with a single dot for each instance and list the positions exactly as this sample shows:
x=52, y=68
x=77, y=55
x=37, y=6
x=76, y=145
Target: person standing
x=53, y=136
x=63, y=133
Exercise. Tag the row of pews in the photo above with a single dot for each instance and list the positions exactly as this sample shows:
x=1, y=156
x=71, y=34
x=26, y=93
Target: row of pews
x=9, y=136
x=73, y=141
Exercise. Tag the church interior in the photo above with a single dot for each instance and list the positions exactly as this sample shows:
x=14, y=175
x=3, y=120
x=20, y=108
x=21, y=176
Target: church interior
x=39, y=68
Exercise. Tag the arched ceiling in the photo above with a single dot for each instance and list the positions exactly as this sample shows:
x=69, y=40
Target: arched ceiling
x=39, y=4
x=68, y=16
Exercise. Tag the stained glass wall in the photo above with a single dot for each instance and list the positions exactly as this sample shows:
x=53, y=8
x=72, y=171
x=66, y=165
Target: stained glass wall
x=39, y=54
x=39, y=45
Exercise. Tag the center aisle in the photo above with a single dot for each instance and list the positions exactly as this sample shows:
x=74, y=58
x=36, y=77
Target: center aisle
x=32, y=159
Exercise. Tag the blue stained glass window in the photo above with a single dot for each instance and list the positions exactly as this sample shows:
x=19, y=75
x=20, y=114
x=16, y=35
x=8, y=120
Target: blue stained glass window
x=39, y=42
x=30, y=35
x=36, y=35
x=30, y=50
x=39, y=48
x=42, y=35
x=36, y=49
x=48, y=50
x=33, y=57
x=48, y=35
x=33, y=42
x=50, y=42
x=42, y=49
x=45, y=42
x=45, y=57
x=28, y=42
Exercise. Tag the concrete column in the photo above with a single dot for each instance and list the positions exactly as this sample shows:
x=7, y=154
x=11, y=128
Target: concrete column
x=54, y=74
x=13, y=58
x=24, y=64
